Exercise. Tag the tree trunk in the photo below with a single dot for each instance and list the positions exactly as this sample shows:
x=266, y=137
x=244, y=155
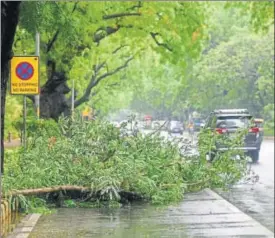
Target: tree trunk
x=52, y=97
x=9, y=21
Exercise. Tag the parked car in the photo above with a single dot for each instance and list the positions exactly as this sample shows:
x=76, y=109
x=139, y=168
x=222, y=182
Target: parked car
x=227, y=122
x=175, y=127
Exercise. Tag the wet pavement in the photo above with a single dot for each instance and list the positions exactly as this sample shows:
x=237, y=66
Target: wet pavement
x=203, y=214
x=257, y=200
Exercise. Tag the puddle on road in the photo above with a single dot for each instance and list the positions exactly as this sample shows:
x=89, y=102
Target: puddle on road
x=137, y=221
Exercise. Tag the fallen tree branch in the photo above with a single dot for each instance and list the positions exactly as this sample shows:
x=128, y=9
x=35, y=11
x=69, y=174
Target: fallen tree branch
x=130, y=196
x=49, y=190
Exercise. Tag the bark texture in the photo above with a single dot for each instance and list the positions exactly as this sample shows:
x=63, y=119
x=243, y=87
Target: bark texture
x=9, y=20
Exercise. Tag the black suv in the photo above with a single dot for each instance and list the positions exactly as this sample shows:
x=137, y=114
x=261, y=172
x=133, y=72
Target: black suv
x=228, y=121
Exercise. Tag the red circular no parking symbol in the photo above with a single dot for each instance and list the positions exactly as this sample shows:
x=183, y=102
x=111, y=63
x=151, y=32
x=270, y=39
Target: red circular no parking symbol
x=24, y=71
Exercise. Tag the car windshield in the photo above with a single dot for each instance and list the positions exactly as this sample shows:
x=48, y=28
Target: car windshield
x=233, y=122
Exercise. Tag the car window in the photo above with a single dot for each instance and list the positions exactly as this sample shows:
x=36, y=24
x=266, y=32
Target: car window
x=233, y=122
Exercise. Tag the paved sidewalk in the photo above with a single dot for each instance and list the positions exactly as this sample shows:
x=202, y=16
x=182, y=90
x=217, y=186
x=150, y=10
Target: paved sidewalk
x=202, y=214
x=207, y=214
x=25, y=227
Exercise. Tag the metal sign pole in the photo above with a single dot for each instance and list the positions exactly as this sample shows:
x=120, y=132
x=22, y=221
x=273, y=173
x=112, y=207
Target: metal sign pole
x=73, y=99
x=1, y=154
x=24, y=117
x=37, y=53
x=24, y=122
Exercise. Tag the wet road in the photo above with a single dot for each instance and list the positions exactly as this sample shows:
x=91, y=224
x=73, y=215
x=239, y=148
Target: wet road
x=257, y=200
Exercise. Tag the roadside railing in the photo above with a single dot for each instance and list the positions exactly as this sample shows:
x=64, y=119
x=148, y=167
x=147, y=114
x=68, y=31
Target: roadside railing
x=9, y=217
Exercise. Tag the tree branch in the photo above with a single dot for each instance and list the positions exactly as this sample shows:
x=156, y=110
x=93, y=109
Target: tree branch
x=54, y=38
x=116, y=15
x=74, y=8
x=95, y=81
x=86, y=95
x=112, y=72
x=117, y=49
x=139, y=5
x=51, y=42
x=48, y=190
x=165, y=45
x=103, y=32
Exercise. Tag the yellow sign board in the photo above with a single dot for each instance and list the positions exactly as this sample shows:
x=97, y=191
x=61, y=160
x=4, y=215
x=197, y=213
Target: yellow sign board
x=24, y=75
x=85, y=114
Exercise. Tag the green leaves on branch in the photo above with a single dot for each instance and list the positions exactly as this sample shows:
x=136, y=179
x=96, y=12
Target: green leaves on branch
x=93, y=154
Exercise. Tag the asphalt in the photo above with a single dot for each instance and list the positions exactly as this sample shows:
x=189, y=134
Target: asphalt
x=257, y=199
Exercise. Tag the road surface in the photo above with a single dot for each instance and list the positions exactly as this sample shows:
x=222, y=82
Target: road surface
x=257, y=200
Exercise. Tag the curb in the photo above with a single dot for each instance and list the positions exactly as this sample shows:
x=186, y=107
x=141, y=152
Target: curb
x=212, y=193
x=25, y=227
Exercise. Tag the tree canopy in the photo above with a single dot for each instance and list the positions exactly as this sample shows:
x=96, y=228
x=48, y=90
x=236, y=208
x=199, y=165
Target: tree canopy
x=154, y=56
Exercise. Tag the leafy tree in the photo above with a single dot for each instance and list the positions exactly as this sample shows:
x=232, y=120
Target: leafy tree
x=88, y=27
x=261, y=13
x=236, y=73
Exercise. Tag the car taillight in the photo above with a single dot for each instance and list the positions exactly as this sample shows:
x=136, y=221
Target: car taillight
x=254, y=130
x=221, y=130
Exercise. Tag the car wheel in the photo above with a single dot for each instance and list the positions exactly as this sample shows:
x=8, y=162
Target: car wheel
x=254, y=156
